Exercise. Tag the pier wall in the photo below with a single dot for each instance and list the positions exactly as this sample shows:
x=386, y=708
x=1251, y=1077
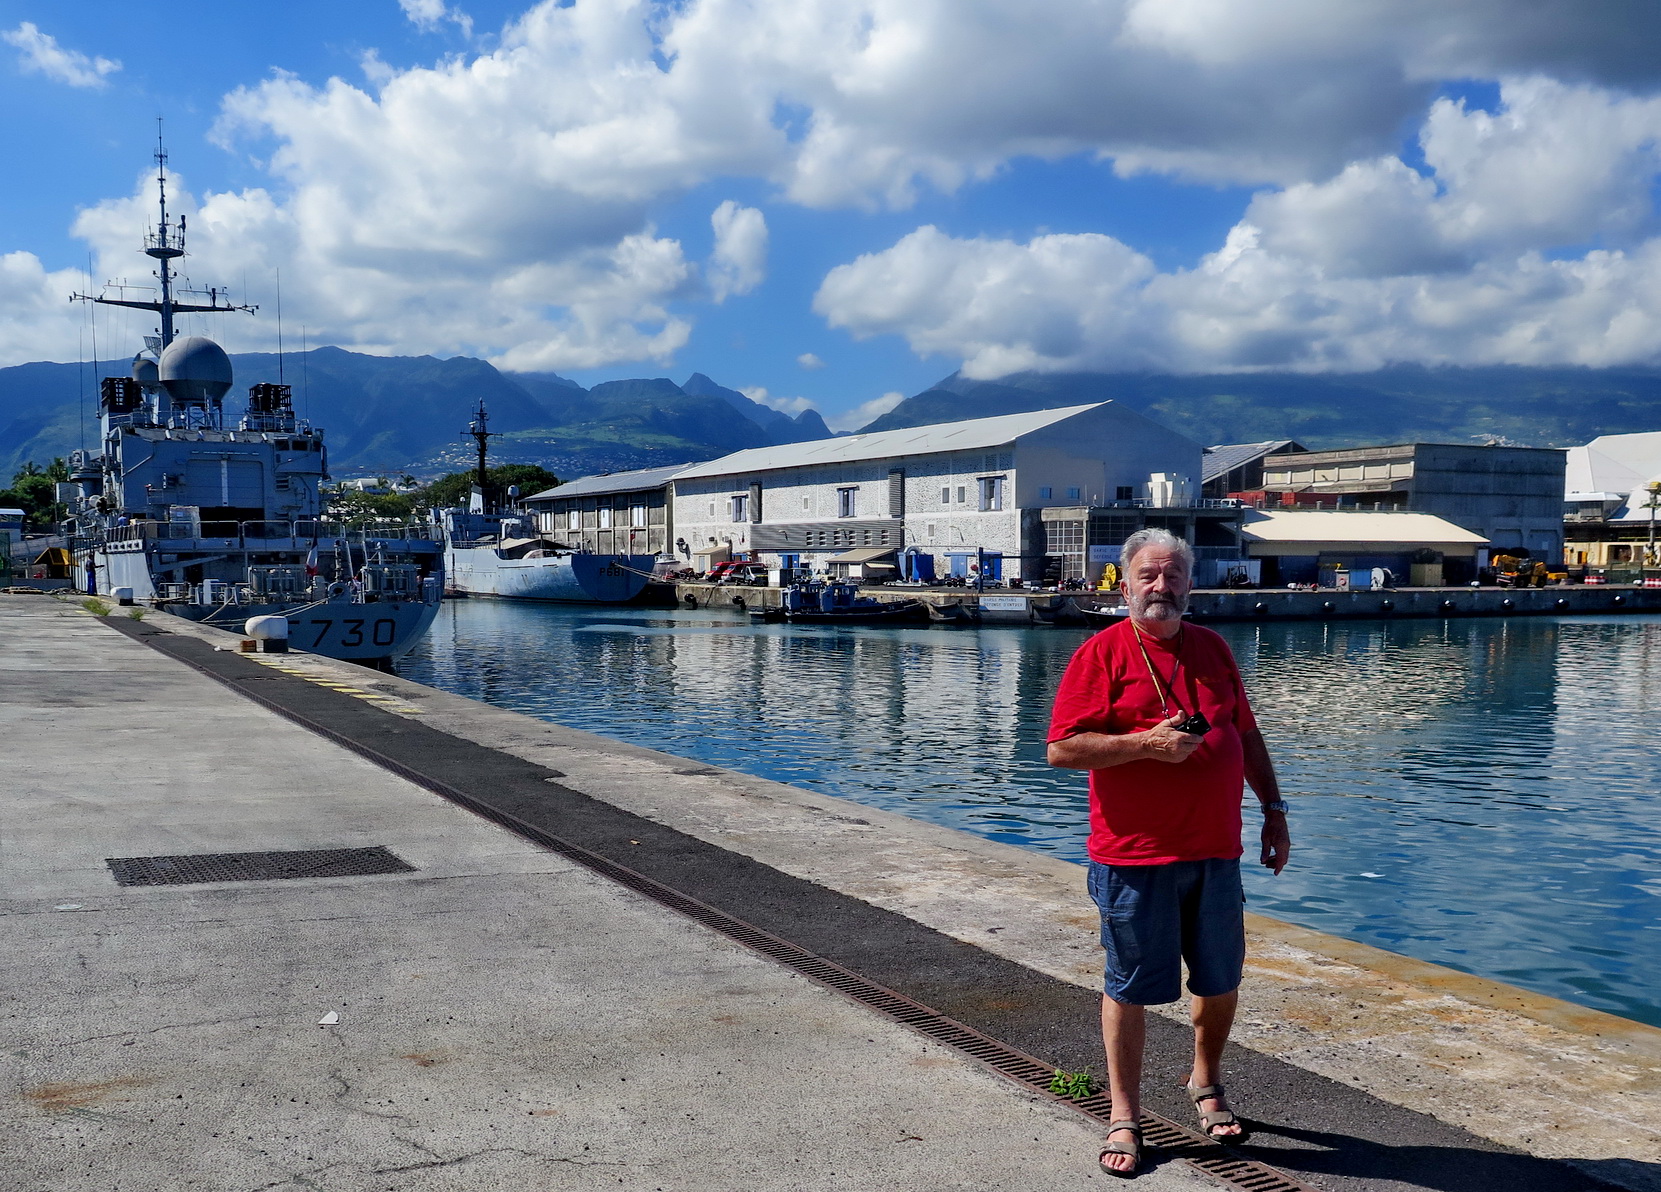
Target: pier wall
x=1011, y=606
x=1282, y=605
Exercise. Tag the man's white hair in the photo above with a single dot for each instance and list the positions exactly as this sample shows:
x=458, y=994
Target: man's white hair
x=1153, y=536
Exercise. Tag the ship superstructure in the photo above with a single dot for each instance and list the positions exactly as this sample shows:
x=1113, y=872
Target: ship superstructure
x=220, y=519
x=492, y=549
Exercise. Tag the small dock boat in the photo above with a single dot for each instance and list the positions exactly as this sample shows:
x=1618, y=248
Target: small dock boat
x=840, y=603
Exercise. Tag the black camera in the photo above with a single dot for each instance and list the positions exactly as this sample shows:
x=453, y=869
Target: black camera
x=1196, y=724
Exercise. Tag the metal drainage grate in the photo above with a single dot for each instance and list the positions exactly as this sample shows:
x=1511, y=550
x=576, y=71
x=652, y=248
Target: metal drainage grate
x=1202, y=1153
x=254, y=867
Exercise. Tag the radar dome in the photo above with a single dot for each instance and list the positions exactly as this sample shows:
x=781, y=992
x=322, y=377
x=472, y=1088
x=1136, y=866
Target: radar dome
x=145, y=372
x=195, y=371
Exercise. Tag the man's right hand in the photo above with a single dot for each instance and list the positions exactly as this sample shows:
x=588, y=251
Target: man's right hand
x=1164, y=743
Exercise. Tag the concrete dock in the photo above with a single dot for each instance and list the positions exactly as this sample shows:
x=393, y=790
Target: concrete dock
x=504, y=1017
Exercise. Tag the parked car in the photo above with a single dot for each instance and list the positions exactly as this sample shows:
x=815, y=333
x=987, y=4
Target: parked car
x=738, y=573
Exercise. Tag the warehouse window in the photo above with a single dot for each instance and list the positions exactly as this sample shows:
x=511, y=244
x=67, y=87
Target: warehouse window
x=991, y=493
x=847, y=502
x=741, y=508
x=1043, y=494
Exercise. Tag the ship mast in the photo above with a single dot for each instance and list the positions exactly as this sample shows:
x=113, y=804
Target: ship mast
x=478, y=430
x=166, y=244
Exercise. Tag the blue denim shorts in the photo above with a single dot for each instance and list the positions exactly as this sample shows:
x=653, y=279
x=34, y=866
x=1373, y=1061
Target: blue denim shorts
x=1155, y=918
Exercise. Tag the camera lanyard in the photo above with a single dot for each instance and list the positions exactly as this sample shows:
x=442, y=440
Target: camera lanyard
x=1159, y=686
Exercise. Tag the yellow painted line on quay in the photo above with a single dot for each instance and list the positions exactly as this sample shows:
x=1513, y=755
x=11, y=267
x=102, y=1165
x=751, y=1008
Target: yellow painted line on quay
x=390, y=702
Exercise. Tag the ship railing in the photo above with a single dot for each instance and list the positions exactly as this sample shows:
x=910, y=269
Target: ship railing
x=416, y=533
x=290, y=535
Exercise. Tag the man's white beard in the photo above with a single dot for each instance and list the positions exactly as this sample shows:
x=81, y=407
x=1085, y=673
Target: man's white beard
x=1167, y=608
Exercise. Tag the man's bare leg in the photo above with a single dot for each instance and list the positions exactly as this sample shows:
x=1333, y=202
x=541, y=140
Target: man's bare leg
x=1124, y=1034
x=1213, y=1018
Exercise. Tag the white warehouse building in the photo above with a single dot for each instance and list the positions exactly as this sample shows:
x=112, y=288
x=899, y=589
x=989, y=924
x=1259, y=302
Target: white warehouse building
x=968, y=494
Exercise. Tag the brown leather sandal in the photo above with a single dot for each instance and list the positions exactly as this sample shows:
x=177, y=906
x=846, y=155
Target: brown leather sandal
x=1134, y=1150
x=1216, y=1117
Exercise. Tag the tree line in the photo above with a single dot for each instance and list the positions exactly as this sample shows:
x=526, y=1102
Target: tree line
x=34, y=490
x=358, y=508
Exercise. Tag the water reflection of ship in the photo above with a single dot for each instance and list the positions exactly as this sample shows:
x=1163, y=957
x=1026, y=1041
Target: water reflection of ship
x=220, y=523
x=491, y=549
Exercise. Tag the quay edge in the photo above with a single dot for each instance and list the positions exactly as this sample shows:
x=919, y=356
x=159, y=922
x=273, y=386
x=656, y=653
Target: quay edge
x=1021, y=607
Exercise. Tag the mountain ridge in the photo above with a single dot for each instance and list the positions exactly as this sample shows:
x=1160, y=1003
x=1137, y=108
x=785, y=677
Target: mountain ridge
x=391, y=414
x=1529, y=406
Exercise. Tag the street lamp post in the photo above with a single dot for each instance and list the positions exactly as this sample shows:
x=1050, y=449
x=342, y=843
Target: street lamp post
x=1654, y=500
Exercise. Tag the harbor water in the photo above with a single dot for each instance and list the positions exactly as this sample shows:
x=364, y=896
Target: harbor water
x=1477, y=793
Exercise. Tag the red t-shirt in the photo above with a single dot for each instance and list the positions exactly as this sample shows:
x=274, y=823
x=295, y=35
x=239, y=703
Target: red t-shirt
x=1151, y=812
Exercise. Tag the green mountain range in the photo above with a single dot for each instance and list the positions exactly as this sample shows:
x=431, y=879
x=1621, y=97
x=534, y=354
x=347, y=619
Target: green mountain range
x=1536, y=407
x=395, y=414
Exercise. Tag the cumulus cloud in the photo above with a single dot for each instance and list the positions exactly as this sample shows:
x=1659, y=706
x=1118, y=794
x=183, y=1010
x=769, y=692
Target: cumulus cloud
x=1485, y=258
x=809, y=362
x=40, y=53
x=429, y=14
x=865, y=412
x=34, y=302
x=787, y=405
x=738, y=263
x=1001, y=306
x=503, y=202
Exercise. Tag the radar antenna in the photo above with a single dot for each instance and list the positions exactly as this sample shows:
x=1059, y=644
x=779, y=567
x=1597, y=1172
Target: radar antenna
x=166, y=244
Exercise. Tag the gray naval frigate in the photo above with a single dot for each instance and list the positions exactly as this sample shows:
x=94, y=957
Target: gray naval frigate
x=221, y=519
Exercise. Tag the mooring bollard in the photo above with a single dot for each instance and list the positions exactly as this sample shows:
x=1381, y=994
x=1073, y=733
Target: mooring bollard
x=270, y=632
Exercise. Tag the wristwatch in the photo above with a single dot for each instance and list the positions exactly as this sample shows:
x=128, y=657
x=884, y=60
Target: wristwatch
x=1278, y=805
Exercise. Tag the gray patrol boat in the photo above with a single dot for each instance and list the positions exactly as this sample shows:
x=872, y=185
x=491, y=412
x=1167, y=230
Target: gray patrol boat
x=220, y=519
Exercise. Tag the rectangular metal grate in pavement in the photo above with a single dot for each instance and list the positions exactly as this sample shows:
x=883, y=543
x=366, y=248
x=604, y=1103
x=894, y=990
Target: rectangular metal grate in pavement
x=255, y=867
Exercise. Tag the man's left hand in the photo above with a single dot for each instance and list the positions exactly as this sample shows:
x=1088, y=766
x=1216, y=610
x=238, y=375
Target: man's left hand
x=1277, y=841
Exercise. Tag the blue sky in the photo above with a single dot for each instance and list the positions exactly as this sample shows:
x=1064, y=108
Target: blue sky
x=833, y=202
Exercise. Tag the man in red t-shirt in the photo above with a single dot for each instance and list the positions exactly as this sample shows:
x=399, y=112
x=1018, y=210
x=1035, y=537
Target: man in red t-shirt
x=1155, y=710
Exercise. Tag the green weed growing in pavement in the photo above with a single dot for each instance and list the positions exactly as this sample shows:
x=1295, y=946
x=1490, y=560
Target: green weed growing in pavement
x=136, y=614
x=96, y=607
x=1076, y=1085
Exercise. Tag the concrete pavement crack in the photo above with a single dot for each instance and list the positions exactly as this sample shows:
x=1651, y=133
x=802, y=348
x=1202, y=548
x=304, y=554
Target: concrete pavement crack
x=173, y=1026
x=345, y=1090
x=494, y=1150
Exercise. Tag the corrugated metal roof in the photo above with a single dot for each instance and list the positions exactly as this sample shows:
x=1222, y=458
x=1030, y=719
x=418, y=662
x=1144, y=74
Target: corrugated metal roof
x=974, y=434
x=1327, y=525
x=613, y=482
x=1219, y=461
